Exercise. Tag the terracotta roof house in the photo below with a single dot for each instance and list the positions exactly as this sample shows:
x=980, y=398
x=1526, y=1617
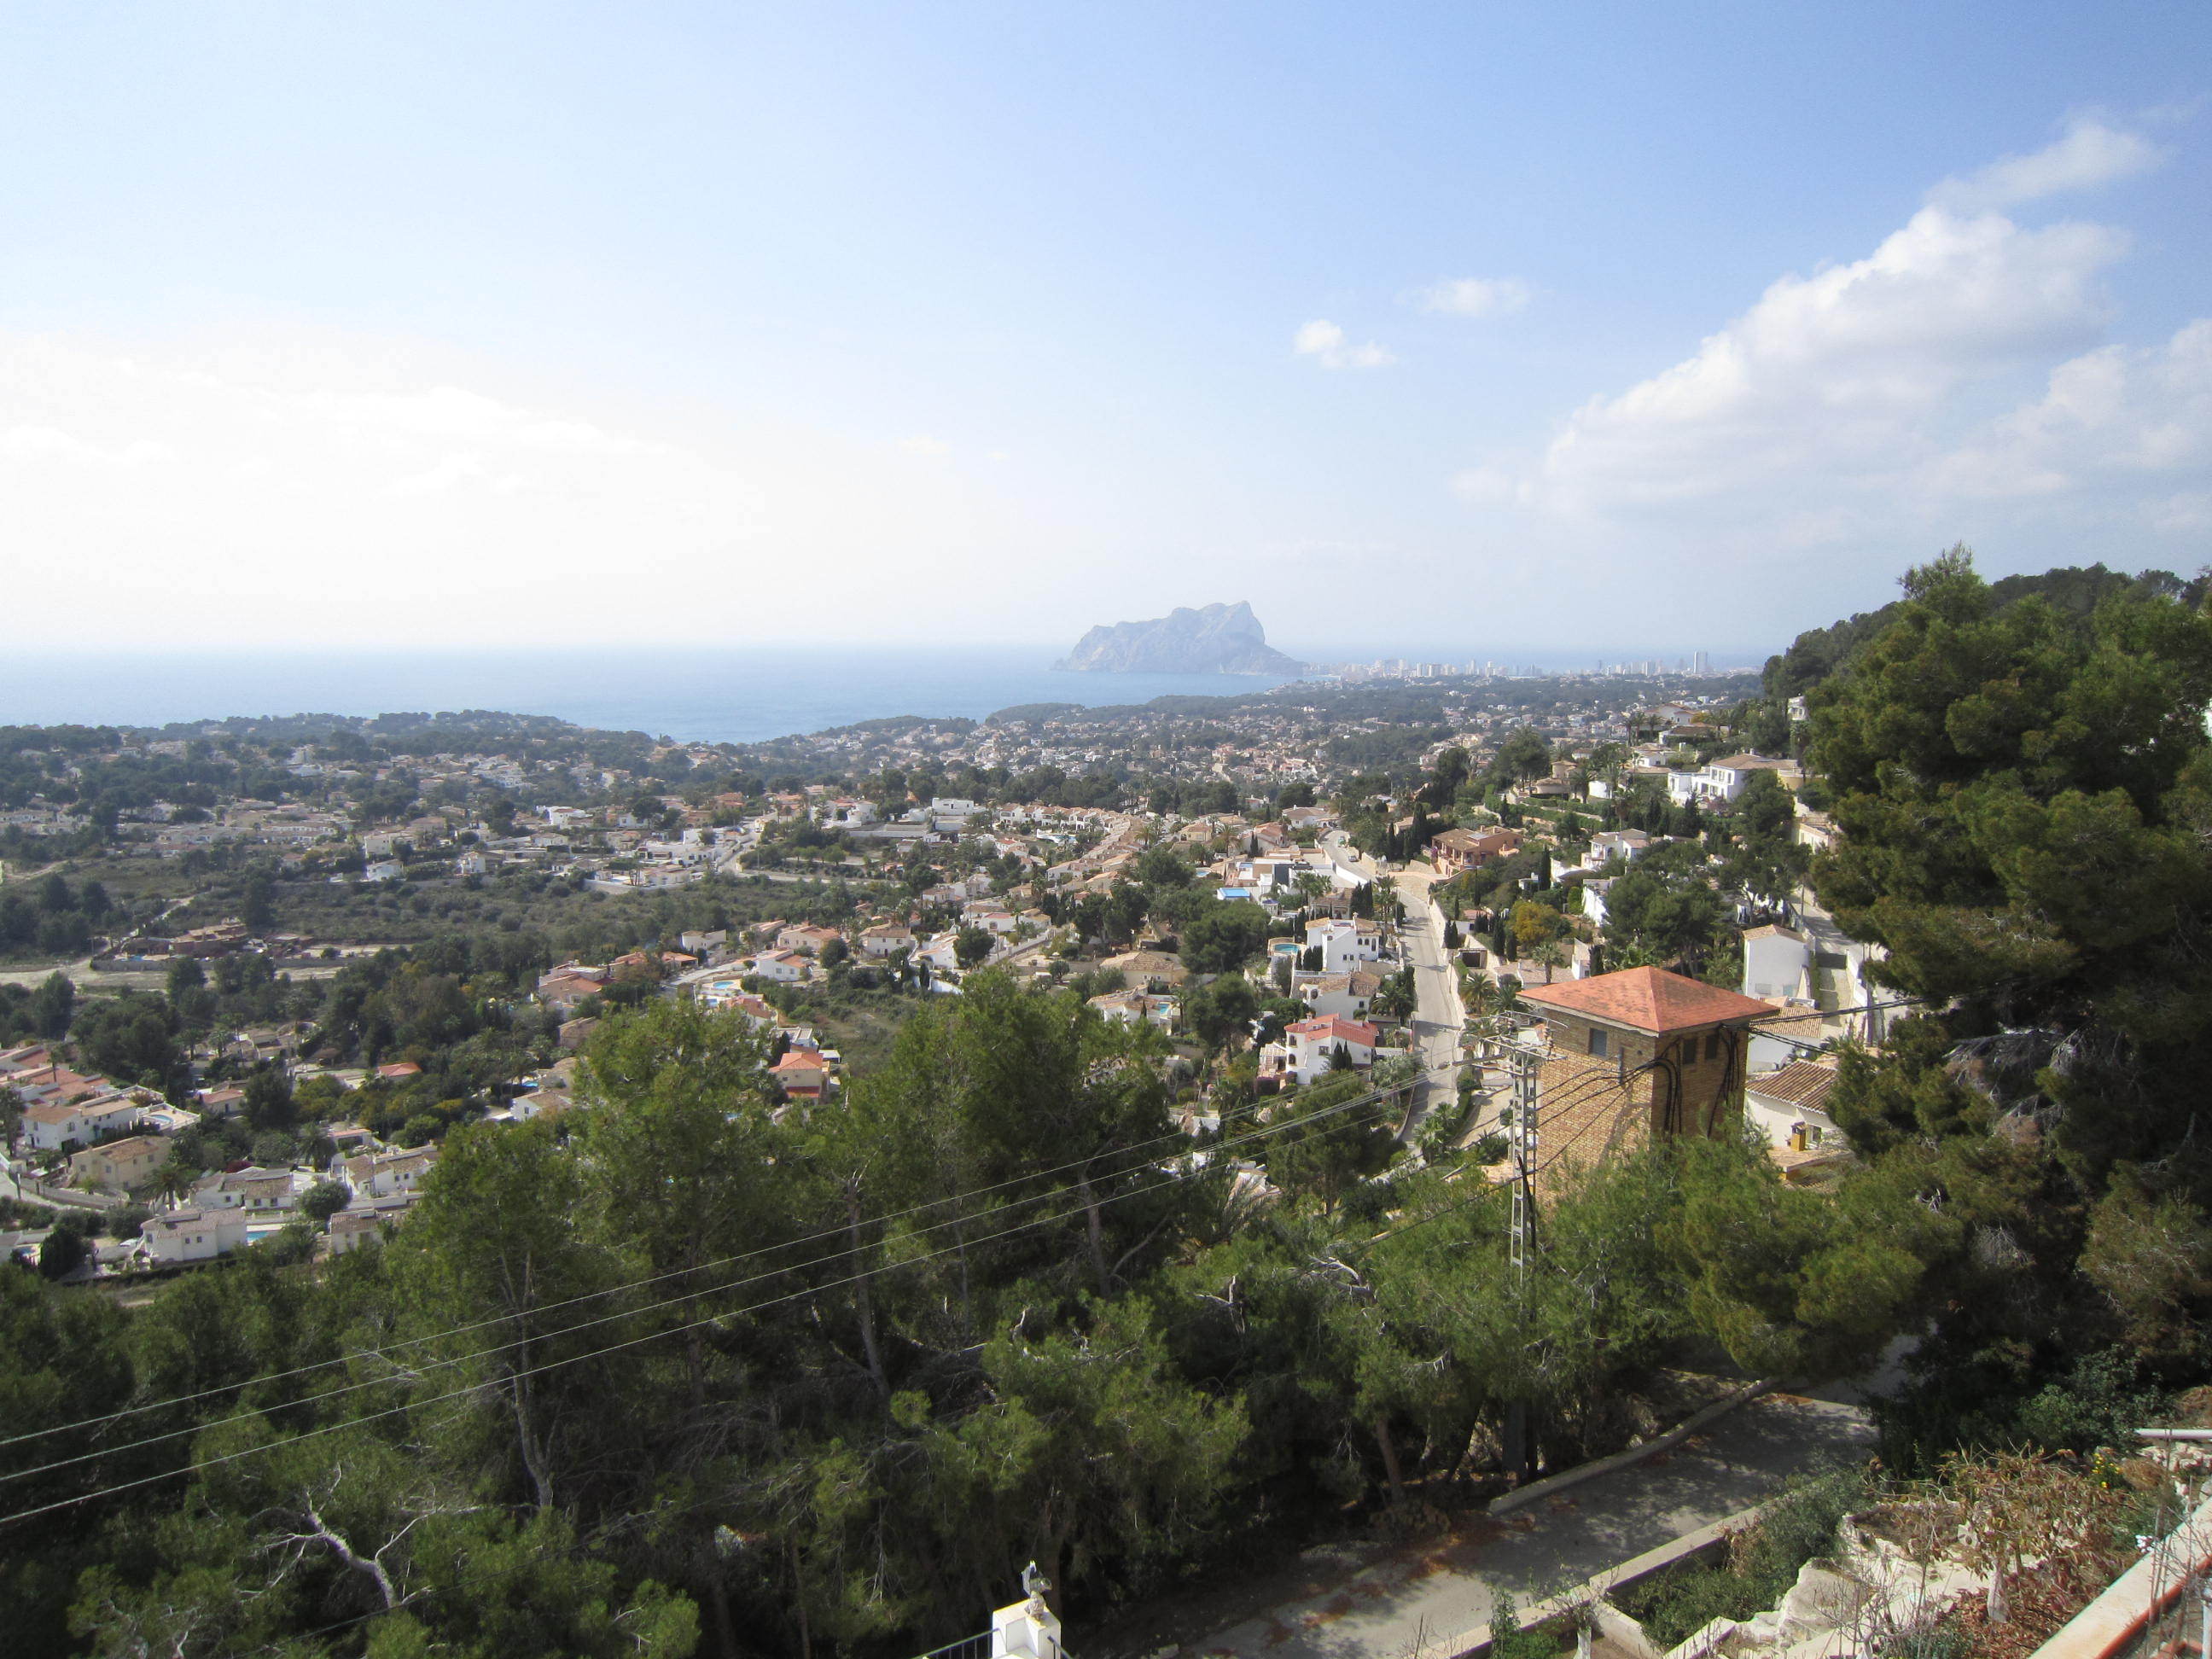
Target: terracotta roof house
x=1637, y=1055
x=1309, y=1048
x=802, y=1073
x=1455, y=850
x=119, y=1165
x=1790, y=1108
x=1149, y=965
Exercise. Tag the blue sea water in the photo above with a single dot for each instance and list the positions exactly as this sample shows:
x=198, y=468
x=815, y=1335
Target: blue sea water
x=731, y=694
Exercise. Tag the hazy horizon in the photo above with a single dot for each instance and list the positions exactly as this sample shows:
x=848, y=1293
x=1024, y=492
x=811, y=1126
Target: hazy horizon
x=691, y=693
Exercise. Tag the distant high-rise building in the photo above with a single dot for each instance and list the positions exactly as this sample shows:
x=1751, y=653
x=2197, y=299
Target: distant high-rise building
x=1701, y=665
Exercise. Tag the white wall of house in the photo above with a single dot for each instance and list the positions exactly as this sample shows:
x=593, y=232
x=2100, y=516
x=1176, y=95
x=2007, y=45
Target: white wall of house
x=193, y=1235
x=1777, y=962
x=1780, y=1121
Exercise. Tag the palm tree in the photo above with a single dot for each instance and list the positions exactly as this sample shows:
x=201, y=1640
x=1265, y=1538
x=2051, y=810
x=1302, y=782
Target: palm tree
x=174, y=1178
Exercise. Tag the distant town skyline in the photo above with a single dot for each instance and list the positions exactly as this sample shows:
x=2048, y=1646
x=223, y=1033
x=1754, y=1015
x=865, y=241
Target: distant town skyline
x=489, y=324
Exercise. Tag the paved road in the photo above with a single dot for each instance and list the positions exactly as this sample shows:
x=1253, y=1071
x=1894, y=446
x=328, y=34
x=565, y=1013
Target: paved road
x=1438, y=1016
x=1401, y=1603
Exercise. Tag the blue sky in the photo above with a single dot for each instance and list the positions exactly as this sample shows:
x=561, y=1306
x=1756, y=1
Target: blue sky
x=1620, y=327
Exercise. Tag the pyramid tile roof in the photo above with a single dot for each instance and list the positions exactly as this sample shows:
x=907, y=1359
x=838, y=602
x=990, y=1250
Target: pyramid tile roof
x=1648, y=1000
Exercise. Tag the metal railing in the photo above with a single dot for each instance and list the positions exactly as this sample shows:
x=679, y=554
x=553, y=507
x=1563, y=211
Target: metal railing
x=968, y=1647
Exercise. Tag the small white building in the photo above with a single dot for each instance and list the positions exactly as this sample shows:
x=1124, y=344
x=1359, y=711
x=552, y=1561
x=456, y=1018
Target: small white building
x=364, y=1222
x=784, y=967
x=886, y=939
x=1135, y=1007
x=55, y=1126
x=1777, y=965
x=254, y=1190
x=1790, y=1106
x=1346, y=996
x=1626, y=845
x=1344, y=941
x=1724, y=779
x=1308, y=1051
x=389, y=1175
x=193, y=1235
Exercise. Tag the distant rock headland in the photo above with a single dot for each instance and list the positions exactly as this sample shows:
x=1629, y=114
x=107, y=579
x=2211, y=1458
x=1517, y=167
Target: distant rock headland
x=1217, y=639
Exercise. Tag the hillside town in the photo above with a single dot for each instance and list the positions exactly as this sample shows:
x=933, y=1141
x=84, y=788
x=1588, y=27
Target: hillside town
x=1261, y=888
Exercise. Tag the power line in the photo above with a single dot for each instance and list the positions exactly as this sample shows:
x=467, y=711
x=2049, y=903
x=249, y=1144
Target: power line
x=1340, y=1107
x=616, y=1347
x=631, y=1285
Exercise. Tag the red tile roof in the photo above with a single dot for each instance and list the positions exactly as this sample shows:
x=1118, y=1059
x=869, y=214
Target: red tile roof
x=1801, y=1083
x=1336, y=1029
x=1648, y=999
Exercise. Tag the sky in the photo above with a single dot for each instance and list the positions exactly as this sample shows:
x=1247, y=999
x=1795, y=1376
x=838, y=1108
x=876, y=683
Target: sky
x=1580, y=327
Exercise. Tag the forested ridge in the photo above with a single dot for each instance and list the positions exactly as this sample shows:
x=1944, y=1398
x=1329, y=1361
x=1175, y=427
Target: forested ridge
x=685, y=1371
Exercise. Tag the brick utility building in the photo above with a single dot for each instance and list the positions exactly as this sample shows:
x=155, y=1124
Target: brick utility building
x=1637, y=1056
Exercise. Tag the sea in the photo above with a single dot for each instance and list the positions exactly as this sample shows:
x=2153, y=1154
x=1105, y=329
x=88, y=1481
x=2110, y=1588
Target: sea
x=697, y=694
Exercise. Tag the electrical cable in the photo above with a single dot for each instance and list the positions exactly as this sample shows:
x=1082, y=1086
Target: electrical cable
x=627, y=1313
x=602, y=1352
x=612, y=1290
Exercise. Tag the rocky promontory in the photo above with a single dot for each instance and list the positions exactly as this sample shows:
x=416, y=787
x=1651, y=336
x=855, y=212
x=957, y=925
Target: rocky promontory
x=1216, y=639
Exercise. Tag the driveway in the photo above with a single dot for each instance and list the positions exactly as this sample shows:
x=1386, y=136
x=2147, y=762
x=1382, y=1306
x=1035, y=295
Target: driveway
x=1434, y=1597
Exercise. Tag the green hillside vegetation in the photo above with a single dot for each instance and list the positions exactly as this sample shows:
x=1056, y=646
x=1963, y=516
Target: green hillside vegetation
x=2072, y=591
x=699, y=1369
x=2025, y=793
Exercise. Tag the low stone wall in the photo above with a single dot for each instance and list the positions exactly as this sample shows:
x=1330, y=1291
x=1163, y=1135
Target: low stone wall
x=2116, y=1622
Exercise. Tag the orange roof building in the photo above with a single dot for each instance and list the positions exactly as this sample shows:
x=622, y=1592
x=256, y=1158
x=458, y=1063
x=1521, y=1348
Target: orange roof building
x=1649, y=1000
x=1637, y=1056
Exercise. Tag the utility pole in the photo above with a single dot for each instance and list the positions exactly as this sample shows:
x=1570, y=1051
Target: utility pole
x=1521, y=1244
x=1523, y=1134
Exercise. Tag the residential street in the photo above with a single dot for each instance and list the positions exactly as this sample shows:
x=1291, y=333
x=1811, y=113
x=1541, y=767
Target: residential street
x=1433, y=1597
x=1438, y=1016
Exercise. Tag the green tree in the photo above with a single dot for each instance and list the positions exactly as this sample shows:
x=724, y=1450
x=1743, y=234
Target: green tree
x=1222, y=937
x=495, y=1244
x=2024, y=793
x=1219, y=1014
x=63, y=1249
x=257, y=908
x=1667, y=910
x=268, y=1103
x=324, y=1200
x=1089, y=1445
x=54, y=1006
x=133, y=1038
x=971, y=945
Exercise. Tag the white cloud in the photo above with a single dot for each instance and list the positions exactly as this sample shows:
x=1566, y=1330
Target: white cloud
x=1955, y=383
x=1477, y=296
x=1831, y=377
x=2108, y=418
x=934, y=449
x=1327, y=344
x=2090, y=154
